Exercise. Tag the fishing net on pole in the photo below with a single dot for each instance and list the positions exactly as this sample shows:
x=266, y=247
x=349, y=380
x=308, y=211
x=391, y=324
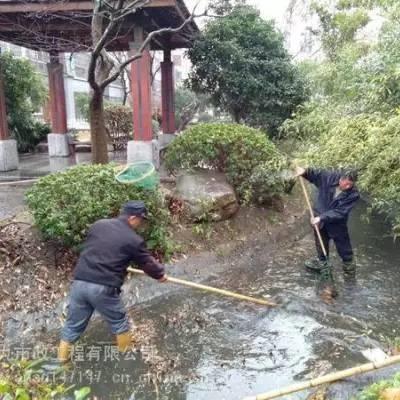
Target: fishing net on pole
x=141, y=174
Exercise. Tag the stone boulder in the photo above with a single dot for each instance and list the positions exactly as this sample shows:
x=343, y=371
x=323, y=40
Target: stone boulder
x=391, y=394
x=206, y=196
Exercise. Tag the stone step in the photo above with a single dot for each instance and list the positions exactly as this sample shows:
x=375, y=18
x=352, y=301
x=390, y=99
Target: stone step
x=42, y=147
x=84, y=147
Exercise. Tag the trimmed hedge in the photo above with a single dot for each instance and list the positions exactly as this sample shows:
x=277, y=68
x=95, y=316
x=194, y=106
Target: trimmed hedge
x=65, y=204
x=236, y=150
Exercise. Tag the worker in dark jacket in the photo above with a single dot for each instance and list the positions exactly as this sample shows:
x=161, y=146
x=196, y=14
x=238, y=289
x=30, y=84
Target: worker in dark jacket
x=110, y=247
x=336, y=197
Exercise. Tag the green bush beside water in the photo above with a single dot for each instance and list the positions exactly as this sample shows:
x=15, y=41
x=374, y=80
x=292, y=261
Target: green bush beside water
x=369, y=143
x=374, y=391
x=246, y=155
x=352, y=118
x=65, y=204
x=25, y=380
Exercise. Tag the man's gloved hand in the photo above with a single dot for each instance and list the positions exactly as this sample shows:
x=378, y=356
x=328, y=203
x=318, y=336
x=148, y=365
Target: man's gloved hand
x=299, y=171
x=315, y=221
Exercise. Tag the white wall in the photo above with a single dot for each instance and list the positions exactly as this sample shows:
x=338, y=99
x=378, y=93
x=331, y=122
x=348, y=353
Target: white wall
x=73, y=85
x=75, y=72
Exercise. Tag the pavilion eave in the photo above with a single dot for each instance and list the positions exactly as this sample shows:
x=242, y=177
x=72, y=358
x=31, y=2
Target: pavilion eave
x=57, y=29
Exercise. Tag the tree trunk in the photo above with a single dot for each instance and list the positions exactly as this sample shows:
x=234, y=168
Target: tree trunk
x=187, y=116
x=236, y=116
x=125, y=88
x=98, y=129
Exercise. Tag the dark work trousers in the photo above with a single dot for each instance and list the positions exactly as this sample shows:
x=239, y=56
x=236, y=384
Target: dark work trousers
x=84, y=299
x=340, y=236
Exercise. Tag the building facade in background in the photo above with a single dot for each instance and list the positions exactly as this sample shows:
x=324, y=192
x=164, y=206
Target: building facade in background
x=75, y=81
x=76, y=85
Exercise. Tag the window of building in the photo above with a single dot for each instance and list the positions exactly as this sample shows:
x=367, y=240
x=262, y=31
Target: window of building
x=177, y=60
x=16, y=50
x=32, y=55
x=178, y=76
x=40, y=66
x=81, y=62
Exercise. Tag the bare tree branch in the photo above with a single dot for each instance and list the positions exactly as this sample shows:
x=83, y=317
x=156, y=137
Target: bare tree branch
x=132, y=8
x=100, y=38
x=125, y=76
x=145, y=44
x=107, y=26
x=154, y=73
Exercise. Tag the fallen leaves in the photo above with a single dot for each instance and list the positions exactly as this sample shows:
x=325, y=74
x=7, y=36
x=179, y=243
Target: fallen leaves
x=162, y=366
x=320, y=394
x=30, y=279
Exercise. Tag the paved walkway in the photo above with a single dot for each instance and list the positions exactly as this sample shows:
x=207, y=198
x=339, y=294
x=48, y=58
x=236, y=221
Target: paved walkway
x=37, y=165
x=14, y=184
x=34, y=166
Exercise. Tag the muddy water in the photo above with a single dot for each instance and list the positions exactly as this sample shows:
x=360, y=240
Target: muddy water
x=213, y=348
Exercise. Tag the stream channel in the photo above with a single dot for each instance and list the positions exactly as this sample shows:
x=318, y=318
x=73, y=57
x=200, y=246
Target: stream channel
x=212, y=348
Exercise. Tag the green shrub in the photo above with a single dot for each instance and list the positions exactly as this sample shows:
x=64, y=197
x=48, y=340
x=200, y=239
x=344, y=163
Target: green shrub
x=82, y=100
x=156, y=127
x=241, y=62
x=374, y=391
x=25, y=93
x=233, y=149
x=371, y=144
x=28, y=134
x=24, y=380
x=65, y=204
x=309, y=122
x=267, y=182
x=118, y=121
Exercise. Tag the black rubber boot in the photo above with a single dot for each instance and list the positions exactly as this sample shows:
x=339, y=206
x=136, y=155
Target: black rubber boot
x=315, y=265
x=349, y=273
x=349, y=269
x=327, y=289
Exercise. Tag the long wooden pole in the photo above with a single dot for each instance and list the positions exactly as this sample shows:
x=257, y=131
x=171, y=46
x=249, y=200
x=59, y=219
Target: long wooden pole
x=211, y=289
x=312, y=216
x=333, y=377
x=8, y=183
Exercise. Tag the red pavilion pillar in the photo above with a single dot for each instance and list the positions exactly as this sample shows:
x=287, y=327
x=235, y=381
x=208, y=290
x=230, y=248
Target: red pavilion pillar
x=57, y=139
x=142, y=147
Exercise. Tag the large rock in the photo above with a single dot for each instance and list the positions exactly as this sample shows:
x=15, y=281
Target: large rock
x=207, y=196
x=391, y=394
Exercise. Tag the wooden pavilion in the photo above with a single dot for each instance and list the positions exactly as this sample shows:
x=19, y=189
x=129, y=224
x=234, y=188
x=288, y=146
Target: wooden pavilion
x=60, y=26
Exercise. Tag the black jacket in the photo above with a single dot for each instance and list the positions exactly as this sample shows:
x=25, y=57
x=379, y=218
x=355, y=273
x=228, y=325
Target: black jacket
x=110, y=247
x=331, y=210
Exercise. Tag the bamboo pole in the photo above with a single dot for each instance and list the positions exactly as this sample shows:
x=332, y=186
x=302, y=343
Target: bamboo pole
x=12, y=183
x=333, y=377
x=312, y=216
x=211, y=289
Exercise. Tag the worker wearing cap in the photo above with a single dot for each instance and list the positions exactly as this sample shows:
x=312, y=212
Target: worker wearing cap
x=336, y=197
x=111, y=245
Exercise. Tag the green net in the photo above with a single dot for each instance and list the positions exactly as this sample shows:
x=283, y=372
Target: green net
x=141, y=174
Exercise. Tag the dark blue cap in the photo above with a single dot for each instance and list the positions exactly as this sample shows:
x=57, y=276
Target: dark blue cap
x=135, y=208
x=350, y=174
